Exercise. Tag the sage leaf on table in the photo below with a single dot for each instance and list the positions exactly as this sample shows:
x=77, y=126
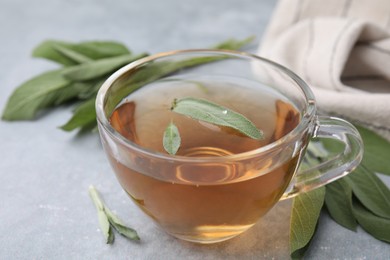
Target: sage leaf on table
x=360, y=197
x=378, y=227
x=84, y=116
x=92, y=49
x=171, y=139
x=305, y=213
x=338, y=201
x=75, y=56
x=120, y=226
x=376, y=151
x=102, y=217
x=204, y=110
x=39, y=92
x=94, y=69
x=370, y=190
x=107, y=220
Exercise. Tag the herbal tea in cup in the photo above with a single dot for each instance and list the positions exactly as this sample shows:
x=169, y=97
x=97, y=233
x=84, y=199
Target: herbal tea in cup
x=207, y=142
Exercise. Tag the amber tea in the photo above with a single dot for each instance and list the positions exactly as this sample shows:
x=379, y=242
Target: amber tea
x=215, y=200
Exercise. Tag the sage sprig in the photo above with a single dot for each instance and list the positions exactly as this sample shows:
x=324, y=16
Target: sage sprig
x=360, y=198
x=86, y=65
x=107, y=220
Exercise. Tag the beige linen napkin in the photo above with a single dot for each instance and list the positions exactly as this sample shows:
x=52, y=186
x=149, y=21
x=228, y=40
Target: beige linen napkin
x=341, y=48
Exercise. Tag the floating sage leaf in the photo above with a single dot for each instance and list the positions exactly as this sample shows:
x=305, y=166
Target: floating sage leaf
x=108, y=219
x=338, y=201
x=376, y=226
x=370, y=191
x=171, y=139
x=95, y=69
x=91, y=49
x=203, y=110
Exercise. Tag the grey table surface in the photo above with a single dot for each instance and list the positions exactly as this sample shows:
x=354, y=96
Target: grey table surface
x=45, y=211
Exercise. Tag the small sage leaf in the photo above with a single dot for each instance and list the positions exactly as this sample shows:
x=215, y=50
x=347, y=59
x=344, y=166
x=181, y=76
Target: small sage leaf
x=105, y=226
x=171, y=139
x=103, y=219
x=376, y=151
x=207, y=111
x=108, y=219
x=120, y=226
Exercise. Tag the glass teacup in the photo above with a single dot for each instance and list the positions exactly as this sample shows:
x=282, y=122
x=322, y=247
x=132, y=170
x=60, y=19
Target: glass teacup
x=208, y=193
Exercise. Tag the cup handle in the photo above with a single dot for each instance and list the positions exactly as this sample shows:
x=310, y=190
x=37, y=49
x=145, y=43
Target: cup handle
x=335, y=167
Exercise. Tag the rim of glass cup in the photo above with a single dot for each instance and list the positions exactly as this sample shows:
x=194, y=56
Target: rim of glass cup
x=307, y=116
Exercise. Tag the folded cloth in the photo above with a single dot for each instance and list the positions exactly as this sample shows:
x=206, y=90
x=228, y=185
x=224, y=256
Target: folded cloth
x=341, y=48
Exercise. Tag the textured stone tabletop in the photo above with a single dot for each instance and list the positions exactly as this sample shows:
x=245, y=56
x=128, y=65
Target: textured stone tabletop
x=45, y=210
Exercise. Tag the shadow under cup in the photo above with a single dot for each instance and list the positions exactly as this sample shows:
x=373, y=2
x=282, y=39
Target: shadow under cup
x=230, y=192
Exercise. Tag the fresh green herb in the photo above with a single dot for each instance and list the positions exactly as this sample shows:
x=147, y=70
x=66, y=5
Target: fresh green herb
x=359, y=198
x=107, y=220
x=40, y=92
x=94, y=50
x=171, y=139
x=378, y=227
x=96, y=69
x=86, y=66
x=203, y=110
x=306, y=210
x=84, y=116
x=338, y=201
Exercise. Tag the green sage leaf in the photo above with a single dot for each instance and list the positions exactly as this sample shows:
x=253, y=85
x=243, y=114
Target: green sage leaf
x=233, y=44
x=306, y=210
x=83, y=116
x=376, y=226
x=101, y=49
x=207, y=111
x=95, y=69
x=370, y=191
x=171, y=139
x=120, y=226
x=338, y=201
x=106, y=217
x=105, y=226
x=71, y=54
x=102, y=217
x=45, y=90
x=91, y=49
x=376, y=151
